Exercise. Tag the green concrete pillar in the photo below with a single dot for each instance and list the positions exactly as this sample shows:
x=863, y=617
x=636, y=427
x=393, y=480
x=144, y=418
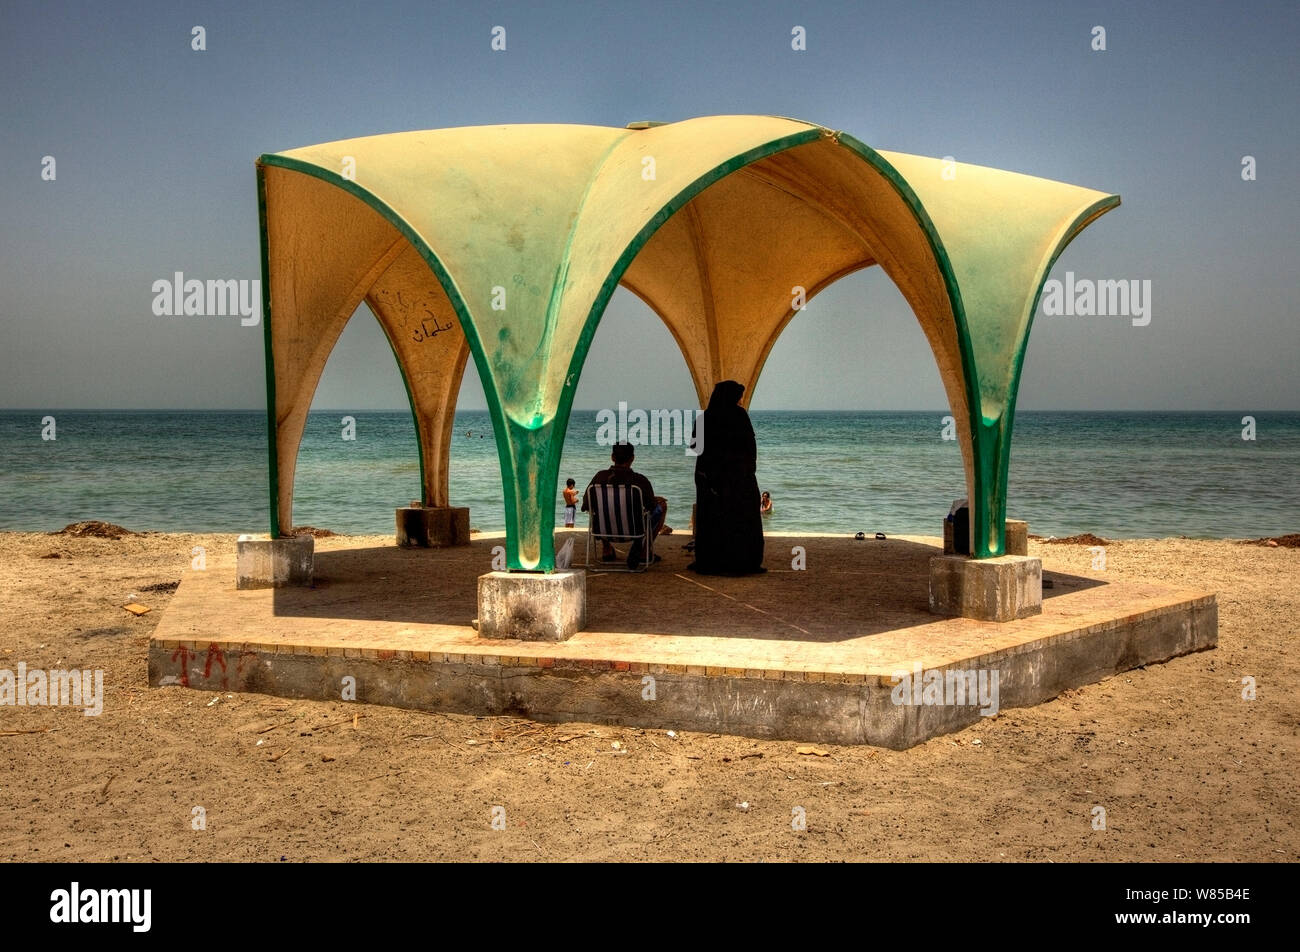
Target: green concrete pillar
x=989, y=507
x=530, y=467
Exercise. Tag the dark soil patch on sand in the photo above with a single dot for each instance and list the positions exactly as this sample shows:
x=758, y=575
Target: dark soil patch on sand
x=1086, y=538
x=94, y=529
x=104, y=632
x=1291, y=541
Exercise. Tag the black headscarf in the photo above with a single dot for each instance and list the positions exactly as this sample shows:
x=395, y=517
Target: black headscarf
x=729, y=447
x=726, y=394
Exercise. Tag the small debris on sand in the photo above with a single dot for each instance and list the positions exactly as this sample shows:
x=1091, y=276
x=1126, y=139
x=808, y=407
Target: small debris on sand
x=1291, y=541
x=313, y=531
x=812, y=751
x=1086, y=538
x=95, y=529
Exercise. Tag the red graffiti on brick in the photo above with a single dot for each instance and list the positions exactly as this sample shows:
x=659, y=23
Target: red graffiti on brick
x=184, y=654
x=214, y=654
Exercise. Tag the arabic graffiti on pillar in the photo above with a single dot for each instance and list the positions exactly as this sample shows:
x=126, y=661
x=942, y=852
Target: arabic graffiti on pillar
x=407, y=311
x=429, y=328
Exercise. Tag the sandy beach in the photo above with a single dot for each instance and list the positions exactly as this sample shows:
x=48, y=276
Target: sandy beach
x=1185, y=768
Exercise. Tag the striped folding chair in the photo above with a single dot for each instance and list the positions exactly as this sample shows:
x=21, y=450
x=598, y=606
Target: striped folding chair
x=617, y=514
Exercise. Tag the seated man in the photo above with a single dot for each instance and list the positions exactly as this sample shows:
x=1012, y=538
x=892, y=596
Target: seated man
x=621, y=473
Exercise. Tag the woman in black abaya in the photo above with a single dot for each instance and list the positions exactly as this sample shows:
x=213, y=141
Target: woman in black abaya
x=728, y=525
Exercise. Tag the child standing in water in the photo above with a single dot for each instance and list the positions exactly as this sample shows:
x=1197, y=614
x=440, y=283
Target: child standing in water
x=570, y=503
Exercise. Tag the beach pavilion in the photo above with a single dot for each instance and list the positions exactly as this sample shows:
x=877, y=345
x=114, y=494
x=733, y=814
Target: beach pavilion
x=505, y=244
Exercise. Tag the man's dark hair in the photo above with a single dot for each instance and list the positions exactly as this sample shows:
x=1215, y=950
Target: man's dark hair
x=623, y=453
x=569, y=482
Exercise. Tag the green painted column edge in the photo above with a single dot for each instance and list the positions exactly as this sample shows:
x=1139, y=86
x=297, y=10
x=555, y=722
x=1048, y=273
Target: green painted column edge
x=273, y=455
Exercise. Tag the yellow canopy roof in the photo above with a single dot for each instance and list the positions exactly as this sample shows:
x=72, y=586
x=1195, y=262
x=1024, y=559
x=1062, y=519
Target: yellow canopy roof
x=505, y=243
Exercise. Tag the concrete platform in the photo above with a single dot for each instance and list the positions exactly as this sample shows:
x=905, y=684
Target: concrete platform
x=805, y=655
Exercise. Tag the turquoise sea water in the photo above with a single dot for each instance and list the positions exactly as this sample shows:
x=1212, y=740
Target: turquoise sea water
x=1119, y=475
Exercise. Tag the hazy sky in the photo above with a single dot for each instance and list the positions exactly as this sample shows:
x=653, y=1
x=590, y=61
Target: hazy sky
x=155, y=147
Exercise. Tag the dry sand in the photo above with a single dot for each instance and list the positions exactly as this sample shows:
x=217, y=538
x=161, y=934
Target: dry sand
x=1185, y=768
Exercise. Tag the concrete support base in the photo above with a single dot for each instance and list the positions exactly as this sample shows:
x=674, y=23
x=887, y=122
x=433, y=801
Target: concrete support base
x=432, y=526
x=532, y=607
x=1017, y=538
x=263, y=562
x=1000, y=589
